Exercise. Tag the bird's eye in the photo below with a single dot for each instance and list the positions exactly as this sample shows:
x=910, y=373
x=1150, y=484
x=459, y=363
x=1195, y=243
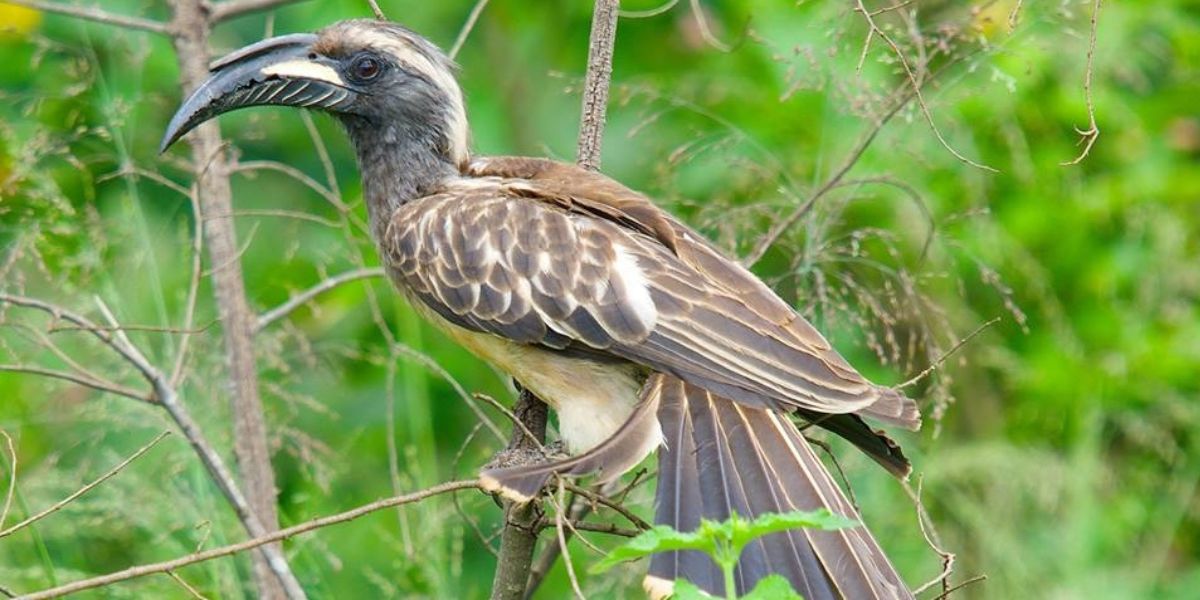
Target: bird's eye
x=366, y=68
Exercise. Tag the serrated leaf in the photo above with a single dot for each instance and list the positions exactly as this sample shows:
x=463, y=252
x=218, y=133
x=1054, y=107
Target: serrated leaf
x=773, y=587
x=661, y=538
x=745, y=531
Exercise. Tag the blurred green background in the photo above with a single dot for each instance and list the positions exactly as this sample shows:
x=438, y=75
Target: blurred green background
x=1061, y=457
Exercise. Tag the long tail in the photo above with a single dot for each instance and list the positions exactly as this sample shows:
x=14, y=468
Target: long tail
x=722, y=457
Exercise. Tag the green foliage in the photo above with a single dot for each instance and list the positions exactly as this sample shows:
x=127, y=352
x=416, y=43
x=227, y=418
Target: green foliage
x=1063, y=452
x=723, y=541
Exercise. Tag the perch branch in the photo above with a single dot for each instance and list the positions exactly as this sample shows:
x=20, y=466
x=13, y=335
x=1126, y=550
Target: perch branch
x=519, y=536
x=596, y=83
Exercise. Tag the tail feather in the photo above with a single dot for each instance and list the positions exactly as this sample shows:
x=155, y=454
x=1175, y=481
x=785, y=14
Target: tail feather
x=722, y=457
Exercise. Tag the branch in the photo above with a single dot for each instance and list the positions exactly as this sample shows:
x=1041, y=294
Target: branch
x=191, y=23
x=85, y=489
x=1092, y=133
x=916, y=84
x=223, y=11
x=165, y=395
x=303, y=297
x=902, y=97
x=467, y=27
x=271, y=538
x=520, y=532
x=94, y=14
x=12, y=477
x=95, y=384
x=596, y=83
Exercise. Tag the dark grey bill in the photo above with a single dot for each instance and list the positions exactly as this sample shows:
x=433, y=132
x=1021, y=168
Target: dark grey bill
x=239, y=80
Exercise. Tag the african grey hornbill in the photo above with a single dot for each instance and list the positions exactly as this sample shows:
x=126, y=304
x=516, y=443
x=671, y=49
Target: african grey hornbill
x=636, y=330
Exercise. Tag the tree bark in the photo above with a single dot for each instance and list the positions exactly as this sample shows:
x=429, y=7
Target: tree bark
x=191, y=25
x=520, y=520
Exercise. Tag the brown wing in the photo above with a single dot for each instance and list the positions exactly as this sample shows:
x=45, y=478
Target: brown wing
x=718, y=301
x=558, y=262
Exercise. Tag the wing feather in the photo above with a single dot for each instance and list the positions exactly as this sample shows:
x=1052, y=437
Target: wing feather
x=541, y=261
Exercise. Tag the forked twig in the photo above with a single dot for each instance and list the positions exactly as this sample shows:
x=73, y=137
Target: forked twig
x=1092, y=133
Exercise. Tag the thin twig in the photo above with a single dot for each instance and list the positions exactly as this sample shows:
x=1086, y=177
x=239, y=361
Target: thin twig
x=94, y=14
x=223, y=11
x=931, y=538
x=941, y=359
x=95, y=384
x=302, y=298
x=83, y=490
x=916, y=86
x=946, y=594
x=1092, y=133
x=275, y=536
x=374, y=4
x=467, y=27
x=610, y=503
x=12, y=477
x=562, y=541
x=650, y=12
x=186, y=586
x=596, y=83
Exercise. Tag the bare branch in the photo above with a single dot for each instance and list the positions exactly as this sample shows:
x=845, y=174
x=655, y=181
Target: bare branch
x=650, y=12
x=12, y=477
x=83, y=490
x=596, y=83
x=1092, y=133
x=83, y=380
x=165, y=394
x=931, y=538
x=94, y=14
x=374, y=4
x=192, y=23
x=223, y=11
x=467, y=27
x=303, y=297
x=271, y=538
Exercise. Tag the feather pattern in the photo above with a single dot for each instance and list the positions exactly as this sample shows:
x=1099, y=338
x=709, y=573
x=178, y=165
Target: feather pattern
x=756, y=461
x=574, y=259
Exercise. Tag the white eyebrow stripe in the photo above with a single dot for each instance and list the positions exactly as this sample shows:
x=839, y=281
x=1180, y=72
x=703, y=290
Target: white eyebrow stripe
x=306, y=69
x=457, y=129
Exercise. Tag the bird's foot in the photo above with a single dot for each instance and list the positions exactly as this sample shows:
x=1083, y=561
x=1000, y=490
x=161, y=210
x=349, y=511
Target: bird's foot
x=524, y=457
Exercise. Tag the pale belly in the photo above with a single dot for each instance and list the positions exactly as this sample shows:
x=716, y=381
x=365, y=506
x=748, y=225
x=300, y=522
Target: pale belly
x=592, y=399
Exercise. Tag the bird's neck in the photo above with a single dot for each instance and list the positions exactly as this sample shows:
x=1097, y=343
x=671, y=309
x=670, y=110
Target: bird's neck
x=398, y=164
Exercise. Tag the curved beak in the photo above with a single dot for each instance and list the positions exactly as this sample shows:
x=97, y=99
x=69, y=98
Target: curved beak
x=281, y=71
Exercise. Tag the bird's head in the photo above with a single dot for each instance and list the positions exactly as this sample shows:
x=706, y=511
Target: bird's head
x=380, y=79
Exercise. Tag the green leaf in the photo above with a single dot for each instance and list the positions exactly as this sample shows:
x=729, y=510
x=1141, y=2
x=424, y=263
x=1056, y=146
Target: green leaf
x=686, y=590
x=744, y=531
x=661, y=538
x=771, y=587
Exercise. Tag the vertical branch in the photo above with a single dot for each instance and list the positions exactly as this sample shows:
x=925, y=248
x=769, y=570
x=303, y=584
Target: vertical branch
x=595, y=84
x=520, y=520
x=191, y=24
x=520, y=533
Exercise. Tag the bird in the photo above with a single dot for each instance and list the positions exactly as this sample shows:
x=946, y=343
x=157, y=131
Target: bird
x=641, y=334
